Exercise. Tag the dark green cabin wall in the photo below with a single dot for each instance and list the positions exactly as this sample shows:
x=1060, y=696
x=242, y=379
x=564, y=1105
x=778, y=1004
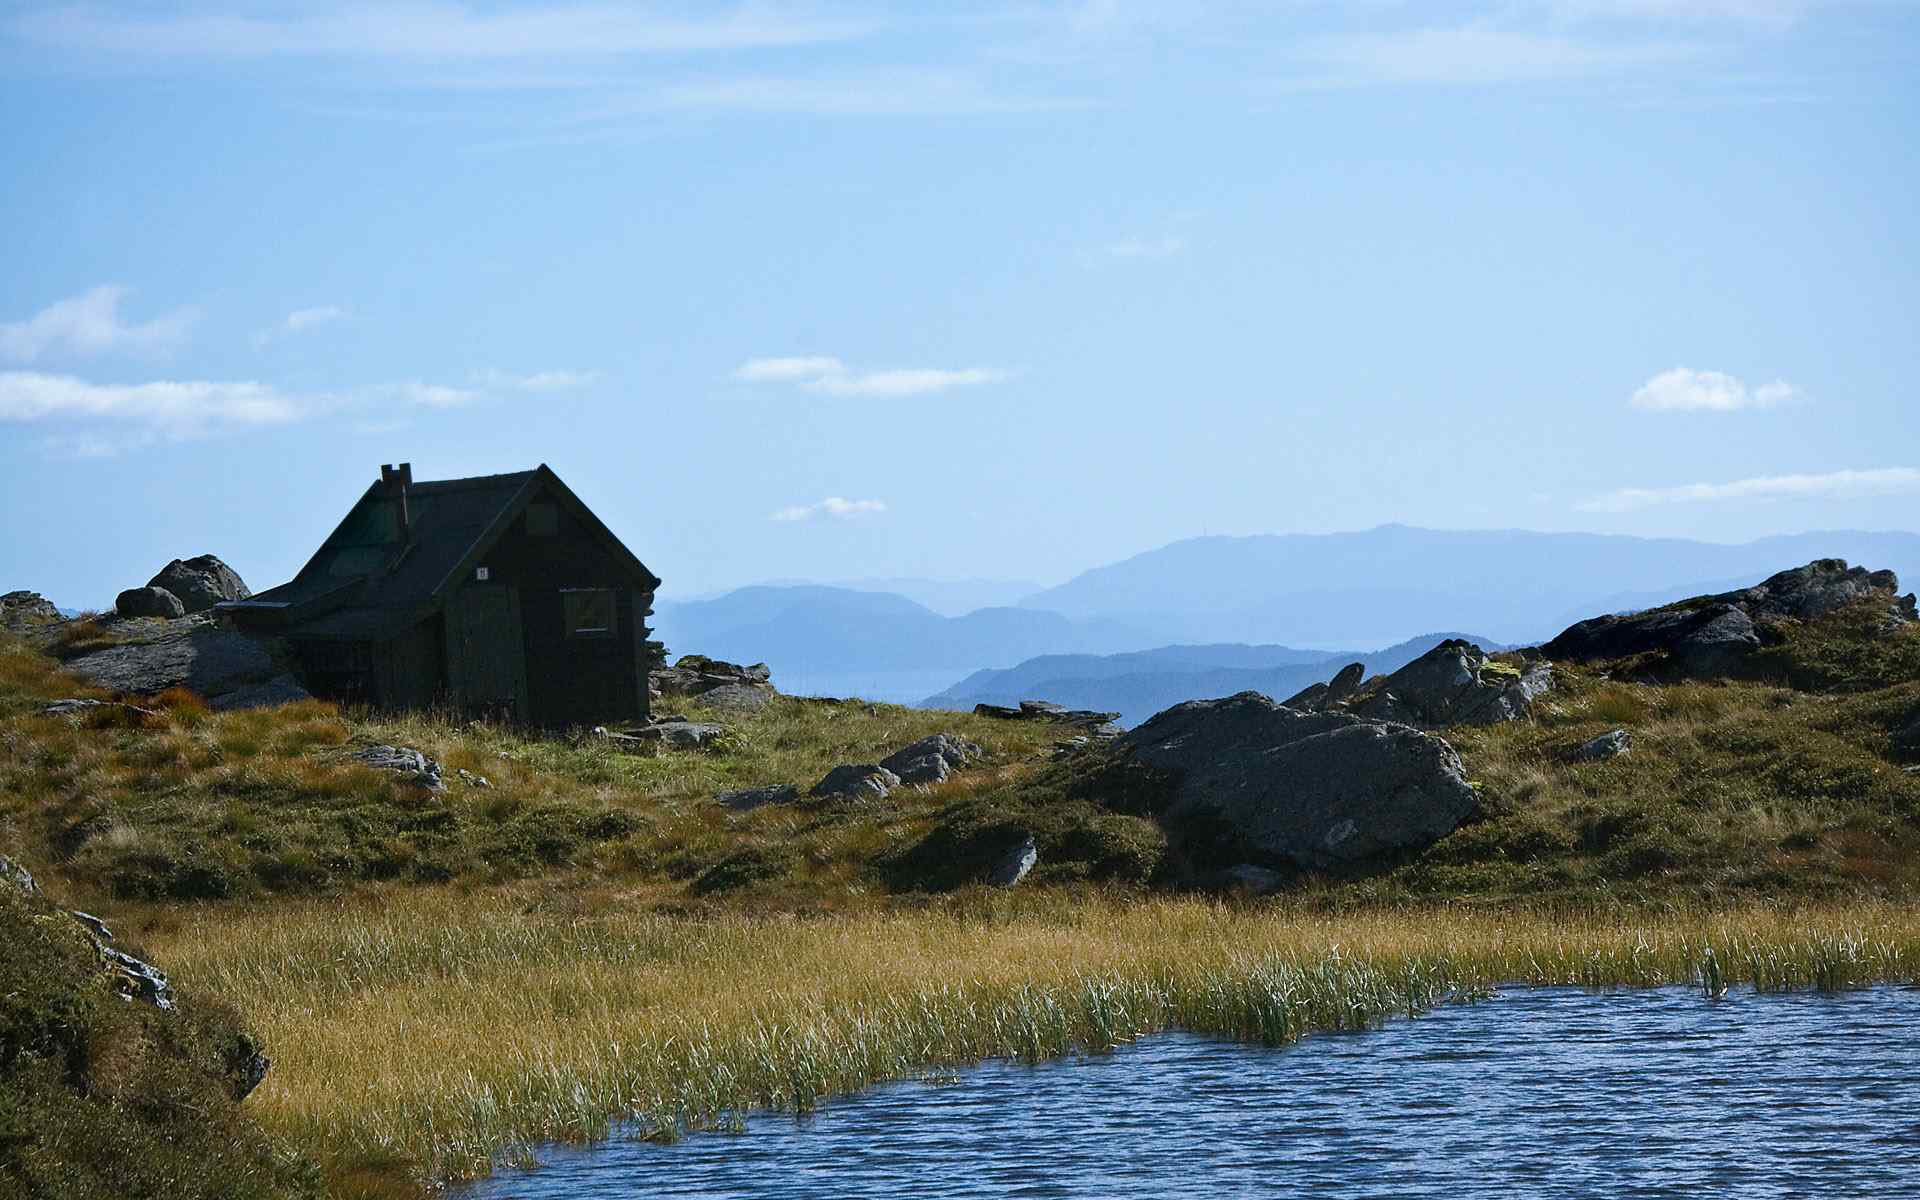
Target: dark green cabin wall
x=570, y=681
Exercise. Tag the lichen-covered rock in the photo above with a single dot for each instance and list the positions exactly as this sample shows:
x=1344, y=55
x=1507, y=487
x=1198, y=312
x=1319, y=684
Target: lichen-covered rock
x=696, y=675
x=201, y=582
x=1455, y=683
x=1316, y=789
x=1095, y=724
x=149, y=602
x=933, y=758
x=857, y=779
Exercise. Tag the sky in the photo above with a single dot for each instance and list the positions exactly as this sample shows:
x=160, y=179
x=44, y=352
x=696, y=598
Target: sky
x=1002, y=290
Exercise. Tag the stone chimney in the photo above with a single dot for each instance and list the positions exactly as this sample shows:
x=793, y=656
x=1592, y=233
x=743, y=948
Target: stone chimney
x=395, y=481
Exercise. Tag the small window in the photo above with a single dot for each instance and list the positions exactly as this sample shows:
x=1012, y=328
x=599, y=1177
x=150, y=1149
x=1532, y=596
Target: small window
x=589, y=612
x=543, y=520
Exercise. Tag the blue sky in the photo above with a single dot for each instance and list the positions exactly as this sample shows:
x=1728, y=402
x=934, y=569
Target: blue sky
x=999, y=290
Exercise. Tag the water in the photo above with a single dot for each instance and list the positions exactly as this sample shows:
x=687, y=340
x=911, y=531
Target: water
x=1537, y=1093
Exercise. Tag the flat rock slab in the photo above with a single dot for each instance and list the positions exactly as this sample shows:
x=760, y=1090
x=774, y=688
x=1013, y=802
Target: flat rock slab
x=405, y=761
x=739, y=698
x=192, y=654
x=1316, y=789
x=748, y=799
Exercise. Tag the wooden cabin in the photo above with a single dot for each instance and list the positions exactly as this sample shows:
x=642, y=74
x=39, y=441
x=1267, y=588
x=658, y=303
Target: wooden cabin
x=499, y=595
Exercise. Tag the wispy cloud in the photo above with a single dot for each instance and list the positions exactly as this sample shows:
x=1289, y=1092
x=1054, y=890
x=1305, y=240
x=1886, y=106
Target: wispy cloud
x=832, y=506
x=1469, y=56
x=428, y=31
x=90, y=324
x=1832, y=485
x=1683, y=389
x=538, y=381
x=829, y=376
x=93, y=419
x=898, y=92
x=300, y=320
x=175, y=407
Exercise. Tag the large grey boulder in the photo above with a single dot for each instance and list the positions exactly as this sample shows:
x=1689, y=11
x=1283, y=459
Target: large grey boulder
x=1014, y=865
x=737, y=698
x=149, y=602
x=194, y=654
x=201, y=582
x=1316, y=789
x=1455, y=683
x=932, y=759
x=866, y=780
x=1711, y=636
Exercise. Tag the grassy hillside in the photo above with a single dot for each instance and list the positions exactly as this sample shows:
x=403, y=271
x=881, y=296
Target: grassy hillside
x=444, y=977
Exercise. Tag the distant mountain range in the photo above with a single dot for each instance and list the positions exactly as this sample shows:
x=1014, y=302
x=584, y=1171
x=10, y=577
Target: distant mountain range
x=1216, y=606
x=1140, y=684
x=881, y=646
x=1389, y=583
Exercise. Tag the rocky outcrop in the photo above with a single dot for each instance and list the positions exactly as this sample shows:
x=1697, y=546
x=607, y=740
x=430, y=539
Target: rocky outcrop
x=696, y=675
x=1313, y=789
x=149, y=602
x=201, y=582
x=1711, y=636
x=1611, y=744
x=1455, y=683
x=271, y=693
x=863, y=780
x=932, y=759
x=220, y=665
x=23, y=612
x=1095, y=724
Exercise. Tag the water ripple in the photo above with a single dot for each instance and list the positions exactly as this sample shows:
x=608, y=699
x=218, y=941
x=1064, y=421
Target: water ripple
x=1545, y=1093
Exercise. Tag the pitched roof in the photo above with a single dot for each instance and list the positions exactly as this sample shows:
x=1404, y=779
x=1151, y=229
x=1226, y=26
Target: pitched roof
x=363, y=585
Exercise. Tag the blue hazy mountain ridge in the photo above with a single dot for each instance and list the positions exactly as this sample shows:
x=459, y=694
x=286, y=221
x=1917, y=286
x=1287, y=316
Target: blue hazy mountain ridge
x=1138, y=685
x=817, y=629
x=1388, y=583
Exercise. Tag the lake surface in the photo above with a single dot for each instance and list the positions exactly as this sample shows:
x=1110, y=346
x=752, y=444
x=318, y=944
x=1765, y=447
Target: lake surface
x=1536, y=1093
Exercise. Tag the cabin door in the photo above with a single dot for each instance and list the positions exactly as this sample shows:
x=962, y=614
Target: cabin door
x=486, y=653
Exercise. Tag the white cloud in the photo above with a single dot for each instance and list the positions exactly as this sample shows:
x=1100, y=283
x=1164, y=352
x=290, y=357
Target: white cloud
x=538, y=381
x=90, y=324
x=1685, y=390
x=299, y=321
x=787, y=370
x=829, y=376
x=409, y=29
x=832, y=506
x=176, y=407
x=917, y=92
x=1832, y=485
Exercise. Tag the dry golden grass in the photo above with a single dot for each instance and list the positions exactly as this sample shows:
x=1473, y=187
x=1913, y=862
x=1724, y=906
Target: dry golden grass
x=423, y=1033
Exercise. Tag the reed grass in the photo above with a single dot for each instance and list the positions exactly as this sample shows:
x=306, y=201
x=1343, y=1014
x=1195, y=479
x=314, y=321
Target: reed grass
x=430, y=1033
